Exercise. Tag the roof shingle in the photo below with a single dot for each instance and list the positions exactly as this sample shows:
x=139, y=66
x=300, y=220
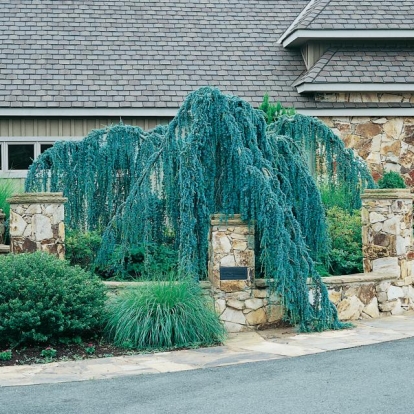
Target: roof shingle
x=365, y=65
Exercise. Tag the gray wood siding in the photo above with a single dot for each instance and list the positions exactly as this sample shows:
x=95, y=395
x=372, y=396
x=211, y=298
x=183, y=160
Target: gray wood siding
x=67, y=127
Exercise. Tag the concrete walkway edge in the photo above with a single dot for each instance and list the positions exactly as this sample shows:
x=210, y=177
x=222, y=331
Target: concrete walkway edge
x=240, y=348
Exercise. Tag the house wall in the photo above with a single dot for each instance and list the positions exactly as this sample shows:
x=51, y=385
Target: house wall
x=386, y=143
x=68, y=127
x=39, y=133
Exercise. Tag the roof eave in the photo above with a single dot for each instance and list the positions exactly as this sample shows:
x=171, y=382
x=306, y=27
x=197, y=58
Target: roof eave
x=366, y=112
x=355, y=87
x=301, y=36
x=89, y=112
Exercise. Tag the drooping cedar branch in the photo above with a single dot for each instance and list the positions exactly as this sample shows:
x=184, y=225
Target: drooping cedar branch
x=215, y=156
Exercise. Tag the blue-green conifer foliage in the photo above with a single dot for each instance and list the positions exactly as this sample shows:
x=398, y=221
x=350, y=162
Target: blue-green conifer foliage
x=216, y=156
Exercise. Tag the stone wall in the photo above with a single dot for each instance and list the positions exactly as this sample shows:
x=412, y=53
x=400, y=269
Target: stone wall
x=386, y=287
x=387, y=220
x=386, y=143
x=387, y=238
x=36, y=223
x=241, y=310
x=367, y=295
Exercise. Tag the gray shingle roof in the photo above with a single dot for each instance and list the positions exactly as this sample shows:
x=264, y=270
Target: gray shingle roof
x=362, y=66
x=146, y=54
x=132, y=53
x=356, y=15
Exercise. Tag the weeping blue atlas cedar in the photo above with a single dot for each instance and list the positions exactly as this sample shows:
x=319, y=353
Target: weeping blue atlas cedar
x=215, y=156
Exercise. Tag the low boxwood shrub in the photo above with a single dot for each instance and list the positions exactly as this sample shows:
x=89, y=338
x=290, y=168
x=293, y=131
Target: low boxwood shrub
x=43, y=298
x=163, y=315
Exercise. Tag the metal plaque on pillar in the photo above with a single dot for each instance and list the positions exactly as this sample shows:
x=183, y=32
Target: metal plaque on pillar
x=234, y=273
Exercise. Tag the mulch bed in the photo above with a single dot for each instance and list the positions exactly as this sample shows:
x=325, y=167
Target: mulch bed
x=27, y=355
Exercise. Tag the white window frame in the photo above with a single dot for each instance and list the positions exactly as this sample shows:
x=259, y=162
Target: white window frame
x=5, y=172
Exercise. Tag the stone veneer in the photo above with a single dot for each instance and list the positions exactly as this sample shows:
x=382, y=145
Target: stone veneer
x=387, y=285
x=36, y=223
x=385, y=143
x=365, y=97
x=2, y=226
x=387, y=220
x=241, y=304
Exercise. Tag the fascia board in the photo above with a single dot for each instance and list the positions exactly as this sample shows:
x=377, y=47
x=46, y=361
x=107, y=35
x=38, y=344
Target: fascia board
x=298, y=37
x=355, y=87
x=366, y=112
x=89, y=112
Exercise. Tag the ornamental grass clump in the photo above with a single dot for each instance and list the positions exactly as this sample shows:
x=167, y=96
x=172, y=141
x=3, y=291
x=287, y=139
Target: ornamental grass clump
x=43, y=299
x=163, y=315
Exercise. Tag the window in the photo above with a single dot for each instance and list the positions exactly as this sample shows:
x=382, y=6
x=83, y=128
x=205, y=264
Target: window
x=18, y=153
x=20, y=156
x=44, y=147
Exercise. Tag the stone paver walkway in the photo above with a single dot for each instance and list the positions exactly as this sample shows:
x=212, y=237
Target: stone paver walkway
x=239, y=348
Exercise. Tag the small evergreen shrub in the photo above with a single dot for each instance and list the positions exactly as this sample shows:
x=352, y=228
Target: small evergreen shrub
x=6, y=355
x=141, y=260
x=344, y=227
x=43, y=298
x=82, y=248
x=391, y=179
x=163, y=315
x=273, y=111
x=335, y=197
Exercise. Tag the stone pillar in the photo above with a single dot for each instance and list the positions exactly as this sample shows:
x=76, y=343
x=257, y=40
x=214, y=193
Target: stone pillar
x=387, y=219
x=2, y=227
x=240, y=304
x=36, y=223
x=231, y=245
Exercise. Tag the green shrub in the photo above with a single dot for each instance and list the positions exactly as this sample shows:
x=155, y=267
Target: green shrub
x=141, y=261
x=43, y=298
x=335, y=197
x=391, y=179
x=163, y=315
x=6, y=355
x=82, y=248
x=345, y=232
x=272, y=111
